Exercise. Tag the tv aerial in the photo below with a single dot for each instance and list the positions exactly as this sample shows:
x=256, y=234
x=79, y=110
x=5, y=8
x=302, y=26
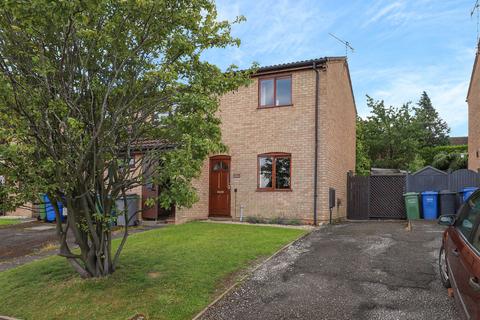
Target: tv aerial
x=346, y=43
x=476, y=9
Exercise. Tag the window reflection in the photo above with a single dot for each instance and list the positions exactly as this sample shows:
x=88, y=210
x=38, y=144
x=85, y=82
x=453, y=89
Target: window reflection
x=265, y=179
x=221, y=165
x=284, y=91
x=266, y=92
x=282, y=173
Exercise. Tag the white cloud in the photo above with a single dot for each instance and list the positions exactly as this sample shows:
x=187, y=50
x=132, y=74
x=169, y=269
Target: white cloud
x=276, y=28
x=389, y=10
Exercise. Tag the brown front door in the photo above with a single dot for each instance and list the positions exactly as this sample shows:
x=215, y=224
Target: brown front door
x=219, y=202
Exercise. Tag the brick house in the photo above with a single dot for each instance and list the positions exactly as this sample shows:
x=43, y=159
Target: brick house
x=473, y=100
x=289, y=133
x=294, y=124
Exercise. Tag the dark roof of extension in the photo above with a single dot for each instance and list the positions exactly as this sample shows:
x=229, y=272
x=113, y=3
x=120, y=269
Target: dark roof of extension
x=150, y=144
x=299, y=64
x=456, y=141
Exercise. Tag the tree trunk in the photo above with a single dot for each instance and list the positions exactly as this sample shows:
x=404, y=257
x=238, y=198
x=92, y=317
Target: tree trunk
x=92, y=233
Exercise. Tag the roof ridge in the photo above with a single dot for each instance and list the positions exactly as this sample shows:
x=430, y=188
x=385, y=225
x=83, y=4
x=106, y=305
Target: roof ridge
x=299, y=63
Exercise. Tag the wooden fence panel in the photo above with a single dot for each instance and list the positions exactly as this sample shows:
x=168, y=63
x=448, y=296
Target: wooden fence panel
x=382, y=196
x=427, y=179
x=357, y=197
x=462, y=178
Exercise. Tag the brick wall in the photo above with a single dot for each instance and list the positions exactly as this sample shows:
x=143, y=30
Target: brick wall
x=474, y=118
x=249, y=131
x=26, y=211
x=337, y=138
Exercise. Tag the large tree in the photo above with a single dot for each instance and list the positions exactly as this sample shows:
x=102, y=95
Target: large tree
x=389, y=135
x=432, y=130
x=83, y=83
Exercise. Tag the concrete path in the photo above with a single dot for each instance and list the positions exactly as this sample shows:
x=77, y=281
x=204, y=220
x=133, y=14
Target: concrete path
x=370, y=270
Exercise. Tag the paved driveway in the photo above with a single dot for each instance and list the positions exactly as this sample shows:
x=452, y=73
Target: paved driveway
x=370, y=270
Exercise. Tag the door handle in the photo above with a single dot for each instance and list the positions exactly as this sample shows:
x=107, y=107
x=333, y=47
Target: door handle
x=455, y=252
x=473, y=282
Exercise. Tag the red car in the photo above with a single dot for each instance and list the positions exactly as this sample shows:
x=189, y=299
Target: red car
x=459, y=258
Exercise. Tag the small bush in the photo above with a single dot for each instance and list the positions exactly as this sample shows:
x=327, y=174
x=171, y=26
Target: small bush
x=294, y=222
x=254, y=219
x=275, y=220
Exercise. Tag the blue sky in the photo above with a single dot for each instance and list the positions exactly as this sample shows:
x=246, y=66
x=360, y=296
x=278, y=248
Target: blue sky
x=402, y=47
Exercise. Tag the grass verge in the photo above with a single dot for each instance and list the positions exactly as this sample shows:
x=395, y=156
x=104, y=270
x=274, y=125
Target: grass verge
x=6, y=222
x=168, y=273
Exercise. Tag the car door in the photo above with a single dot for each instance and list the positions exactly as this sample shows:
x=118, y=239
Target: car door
x=474, y=279
x=463, y=259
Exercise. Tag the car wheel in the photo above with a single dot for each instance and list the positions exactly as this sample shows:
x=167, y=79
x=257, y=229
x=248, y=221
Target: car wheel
x=443, y=267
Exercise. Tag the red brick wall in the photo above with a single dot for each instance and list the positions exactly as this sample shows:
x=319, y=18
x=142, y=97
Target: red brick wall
x=473, y=100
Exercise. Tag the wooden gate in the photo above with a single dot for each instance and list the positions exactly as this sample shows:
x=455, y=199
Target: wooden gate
x=379, y=196
x=386, y=197
x=357, y=197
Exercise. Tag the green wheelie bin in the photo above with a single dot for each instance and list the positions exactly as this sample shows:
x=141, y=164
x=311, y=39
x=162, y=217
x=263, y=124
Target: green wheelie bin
x=412, y=205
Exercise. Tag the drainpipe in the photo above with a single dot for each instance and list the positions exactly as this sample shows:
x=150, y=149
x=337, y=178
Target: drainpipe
x=315, y=166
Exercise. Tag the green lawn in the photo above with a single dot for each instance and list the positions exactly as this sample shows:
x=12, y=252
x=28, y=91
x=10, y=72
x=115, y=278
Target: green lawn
x=4, y=222
x=168, y=273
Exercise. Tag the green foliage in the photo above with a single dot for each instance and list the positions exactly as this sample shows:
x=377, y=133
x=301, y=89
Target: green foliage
x=403, y=137
x=417, y=163
x=84, y=82
x=431, y=129
x=441, y=161
x=428, y=153
x=389, y=135
x=363, y=164
x=450, y=161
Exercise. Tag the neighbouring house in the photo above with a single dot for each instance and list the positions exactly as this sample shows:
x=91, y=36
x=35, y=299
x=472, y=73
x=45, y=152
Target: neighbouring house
x=291, y=138
x=458, y=141
x=473, y=100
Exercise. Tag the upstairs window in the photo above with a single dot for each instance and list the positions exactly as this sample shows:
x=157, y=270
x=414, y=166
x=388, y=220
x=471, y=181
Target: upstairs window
x=275, y=91
x=274, y=171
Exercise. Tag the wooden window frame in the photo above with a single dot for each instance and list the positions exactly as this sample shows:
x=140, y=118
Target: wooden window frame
x=274, y=156
x=275, y=78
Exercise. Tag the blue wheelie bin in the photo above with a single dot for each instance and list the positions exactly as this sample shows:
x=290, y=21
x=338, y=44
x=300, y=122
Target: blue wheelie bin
x=467, y=192
x=50, y=211
x=430, y=205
